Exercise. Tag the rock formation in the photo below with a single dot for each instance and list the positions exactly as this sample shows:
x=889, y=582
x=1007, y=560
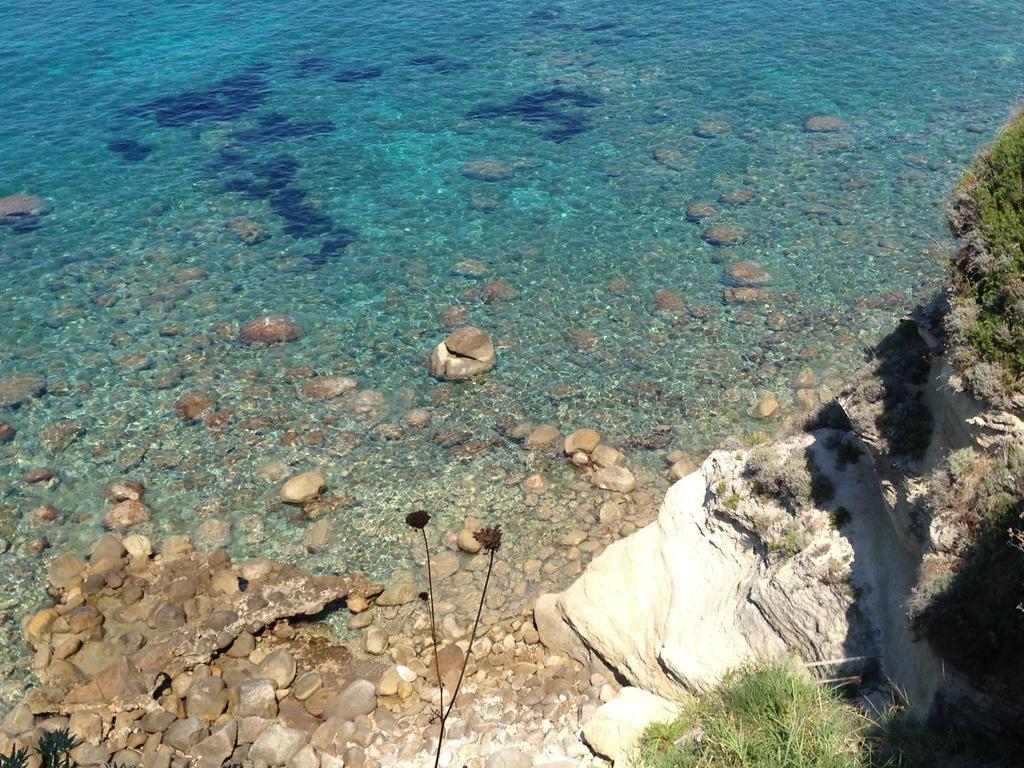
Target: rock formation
x=724, y=575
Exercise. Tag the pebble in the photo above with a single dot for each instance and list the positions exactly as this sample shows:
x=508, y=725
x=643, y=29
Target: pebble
x=466, y=541
x=303, y=488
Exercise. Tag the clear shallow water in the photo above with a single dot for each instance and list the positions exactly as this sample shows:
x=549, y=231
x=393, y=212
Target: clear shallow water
x=342, y=130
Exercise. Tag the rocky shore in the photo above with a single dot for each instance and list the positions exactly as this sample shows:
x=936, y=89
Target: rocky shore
x=173, y=658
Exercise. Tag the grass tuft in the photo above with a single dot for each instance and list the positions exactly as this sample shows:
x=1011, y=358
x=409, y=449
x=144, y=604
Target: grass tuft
x=762, y=716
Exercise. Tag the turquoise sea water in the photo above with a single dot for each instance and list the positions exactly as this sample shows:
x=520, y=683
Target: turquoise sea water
x=341, y=129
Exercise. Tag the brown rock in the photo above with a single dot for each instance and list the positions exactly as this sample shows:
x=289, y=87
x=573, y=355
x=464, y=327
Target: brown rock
x=7, y=433
x=737, y=197
x=123, y=490
x=668, y=301
x=747, y=274
x=58, y=435
x=699, y=211
x=747, y=295
x=192, y=405
x=20, y=388
x=248, y=231
x=670, y=158
x=455, y=315
x=766, y=408
x=38, y=475
x=498, y=290
x=328, y=387
x=270, y=329
x=542, y=438
x=825, y=124
x=486, y=170
x=708, y=129
x=126, y=515
x=14, y=207
x=725, y=234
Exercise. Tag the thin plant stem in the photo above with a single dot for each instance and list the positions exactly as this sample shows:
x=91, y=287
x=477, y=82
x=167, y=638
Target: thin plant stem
x=433, y=635
x=472, y=638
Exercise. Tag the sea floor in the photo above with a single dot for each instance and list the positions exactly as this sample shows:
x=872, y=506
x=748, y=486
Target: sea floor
x=382, y=175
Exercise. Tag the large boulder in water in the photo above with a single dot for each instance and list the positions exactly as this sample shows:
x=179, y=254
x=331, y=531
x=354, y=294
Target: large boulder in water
x=16, y=207
x=465, y=353
x=270, y=329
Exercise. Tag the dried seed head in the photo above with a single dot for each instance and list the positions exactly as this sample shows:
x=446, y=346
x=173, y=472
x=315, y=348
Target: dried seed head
x=489, y=538
x=417, y=519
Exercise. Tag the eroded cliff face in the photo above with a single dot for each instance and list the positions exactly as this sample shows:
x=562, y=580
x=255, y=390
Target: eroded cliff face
x=727, y=574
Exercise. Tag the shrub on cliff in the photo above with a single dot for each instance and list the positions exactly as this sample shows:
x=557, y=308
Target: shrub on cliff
x=986, y=322
x=796, y=481
x=764, y=716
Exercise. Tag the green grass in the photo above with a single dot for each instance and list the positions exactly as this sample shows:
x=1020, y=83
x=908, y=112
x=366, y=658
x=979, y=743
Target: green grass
x=988, y=276
x=763, y=716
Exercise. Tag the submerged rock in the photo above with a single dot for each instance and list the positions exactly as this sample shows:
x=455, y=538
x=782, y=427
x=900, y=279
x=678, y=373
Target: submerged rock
x=825, y=124
x=670, y=158
x=125, y=515
x=328, y=387
x=709, y=129
x=16, y=207
x=19, y=389
x=487, y=170
x=614, y=478
x=766, y=408
x=465, y=353
x=270, y=329
x=247, y=230
x=747, y=274
x=725, y=234
x=699, y=211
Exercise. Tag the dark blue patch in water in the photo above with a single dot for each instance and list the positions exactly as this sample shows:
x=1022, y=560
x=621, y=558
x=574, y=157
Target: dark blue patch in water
x=440, y=64
x=335, y=245
x=547, y=17
x=300, y=218
x=545, y=107
x=20, y=225
x=227, y=99
x=313, y=65
x=426, y=60
x=278, y=172
x=277, y=127
x=130, y=149
x=603, y=26
x=358, y=74
x=448, y=66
